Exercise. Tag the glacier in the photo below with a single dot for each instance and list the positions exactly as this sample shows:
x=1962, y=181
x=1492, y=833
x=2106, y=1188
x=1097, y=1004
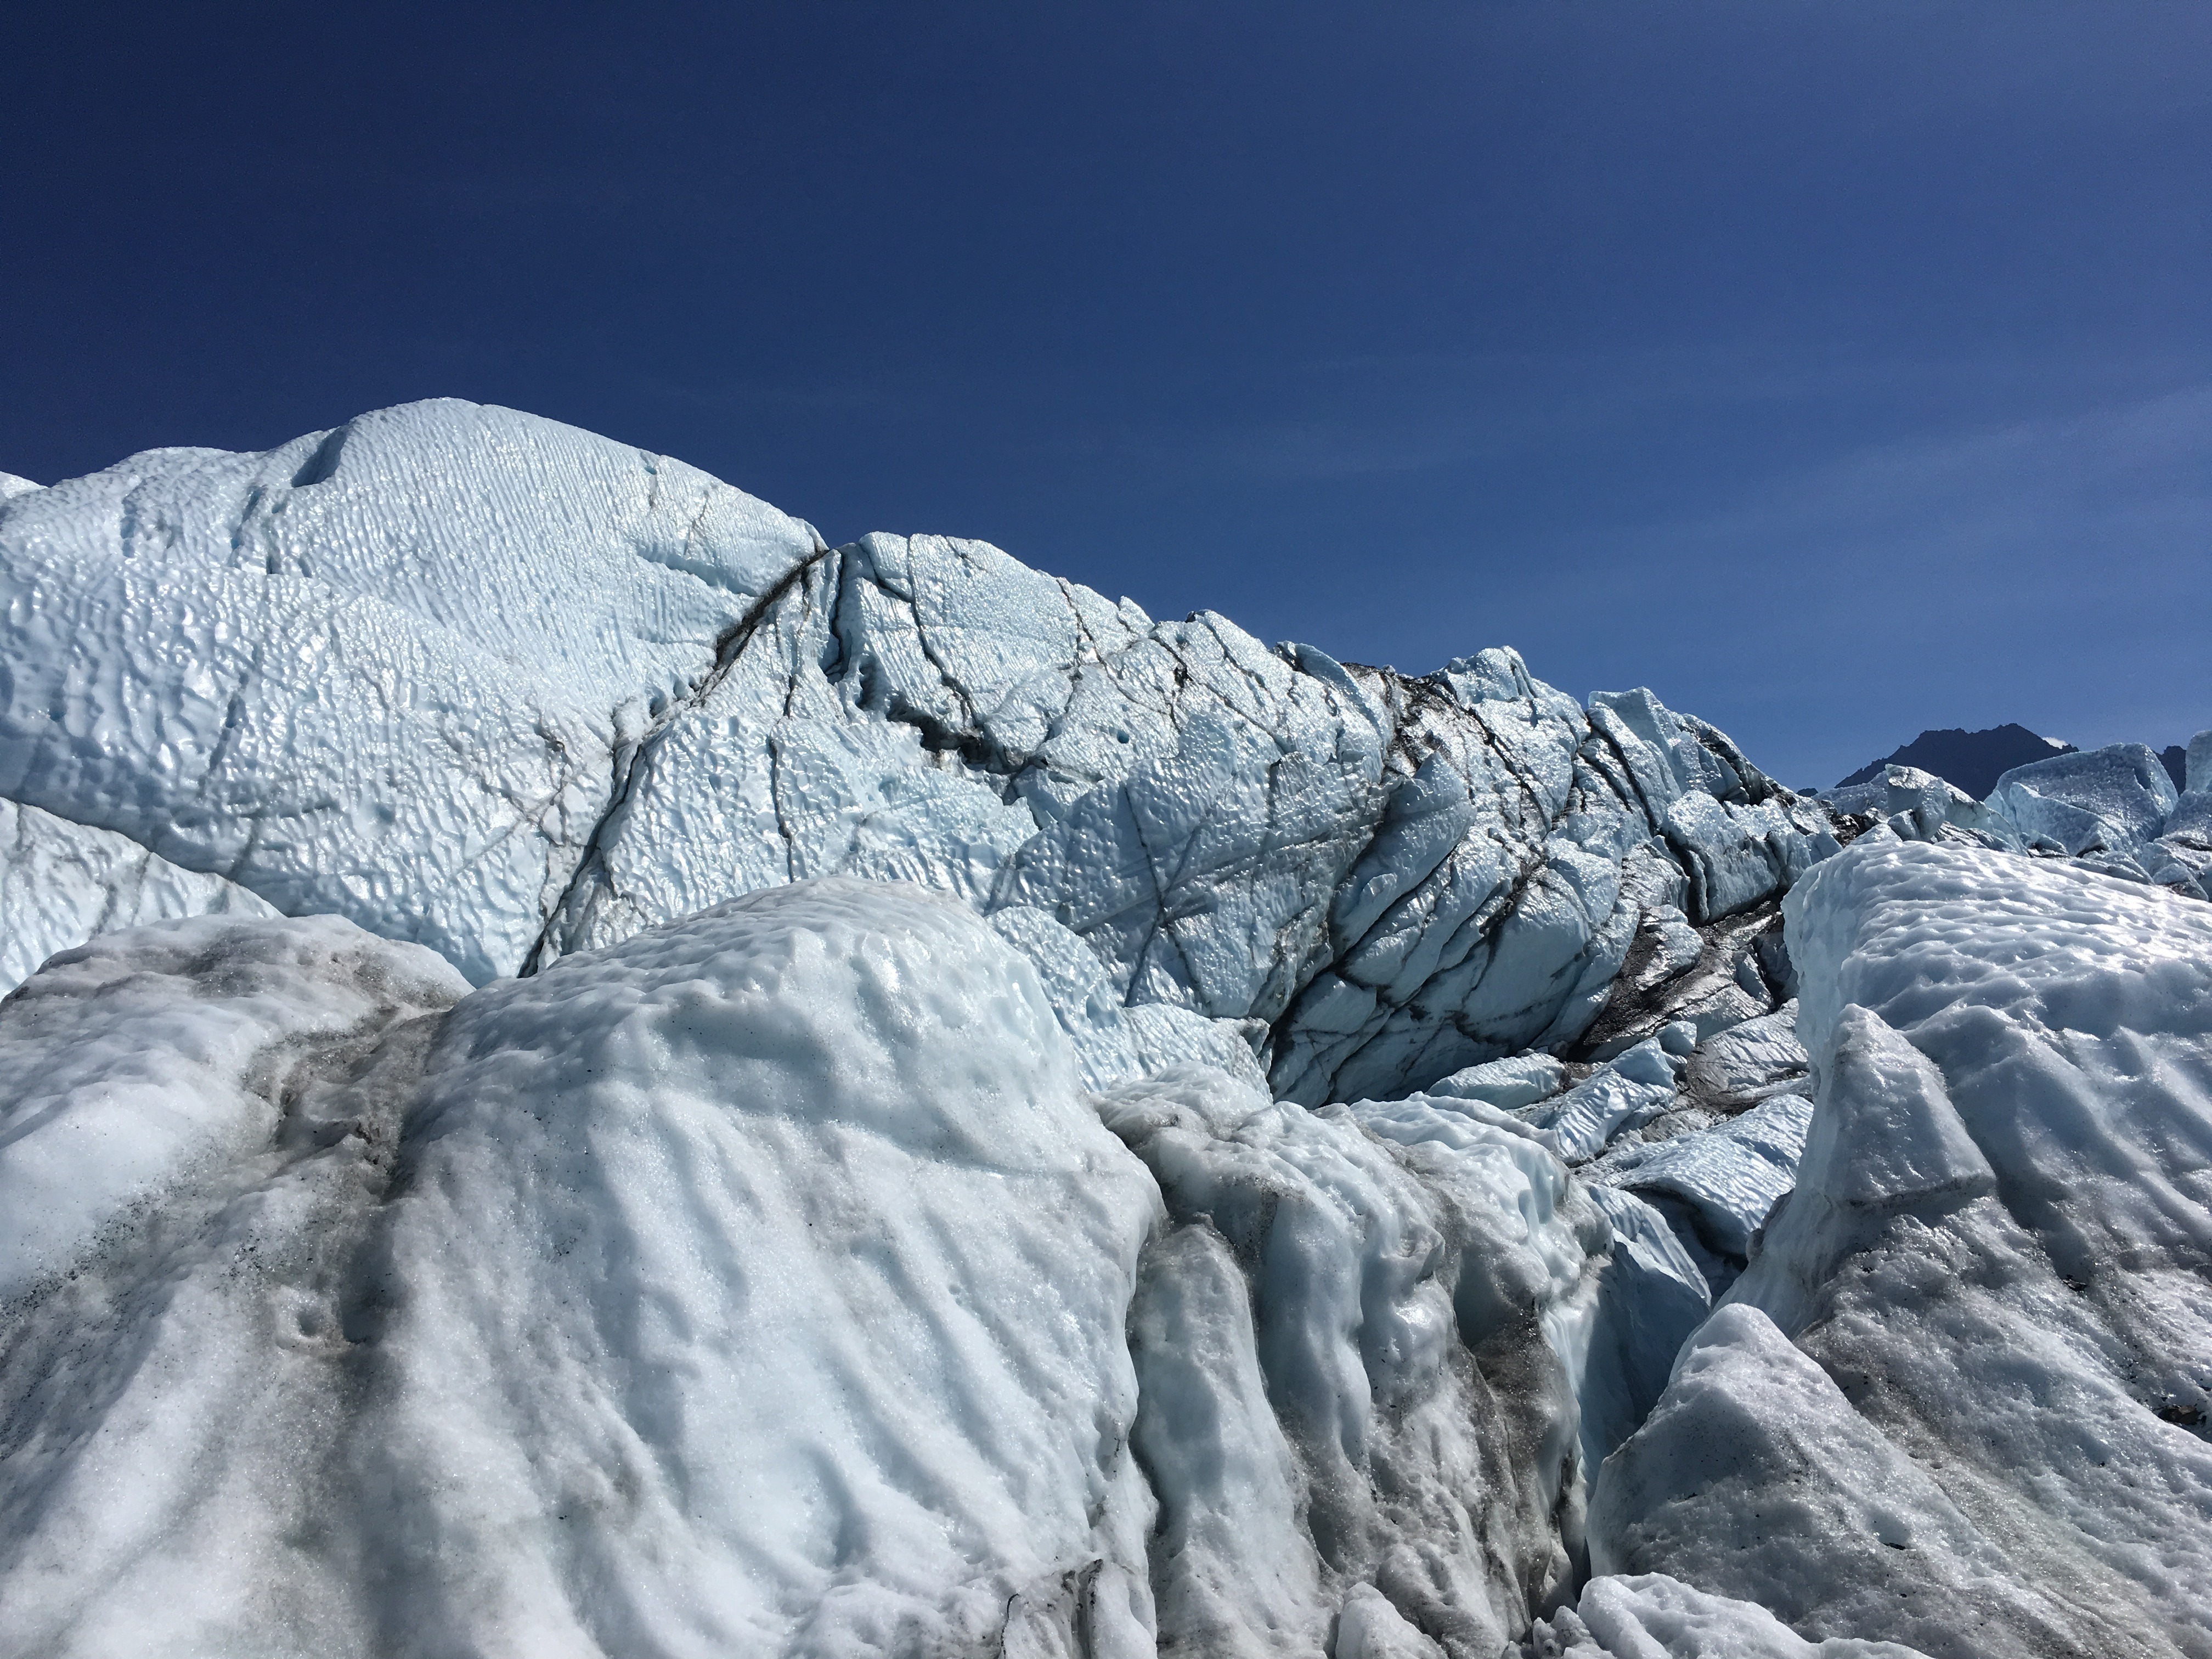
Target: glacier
x=591, y=1074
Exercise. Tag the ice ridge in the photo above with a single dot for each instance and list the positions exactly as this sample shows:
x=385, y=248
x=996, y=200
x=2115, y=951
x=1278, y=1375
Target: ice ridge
x=587, y=1073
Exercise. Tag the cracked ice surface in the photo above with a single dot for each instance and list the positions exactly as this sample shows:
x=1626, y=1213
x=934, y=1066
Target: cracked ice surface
x=486, y=682
x=388, y=672
x=1381, y=879
x=1989, y=1432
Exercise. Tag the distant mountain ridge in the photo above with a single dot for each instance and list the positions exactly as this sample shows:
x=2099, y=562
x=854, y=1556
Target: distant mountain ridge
x=1971, y=761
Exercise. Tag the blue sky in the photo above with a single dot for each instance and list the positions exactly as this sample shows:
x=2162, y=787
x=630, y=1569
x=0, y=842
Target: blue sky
x=1836, y=369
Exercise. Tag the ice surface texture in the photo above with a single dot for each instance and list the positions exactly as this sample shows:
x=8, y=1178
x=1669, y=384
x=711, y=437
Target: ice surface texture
x=765, y=1282
x=1651, y=1616
x=1997, y=1266
x=62, y=883
x=873, y=1101
x=759, y=1284
x=482, y=682
x=389, y=671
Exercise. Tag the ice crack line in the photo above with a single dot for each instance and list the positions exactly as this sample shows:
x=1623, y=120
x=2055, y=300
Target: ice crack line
x=633, y=761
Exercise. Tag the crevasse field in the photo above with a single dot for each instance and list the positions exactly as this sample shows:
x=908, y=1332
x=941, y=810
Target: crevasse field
x=585, y=1074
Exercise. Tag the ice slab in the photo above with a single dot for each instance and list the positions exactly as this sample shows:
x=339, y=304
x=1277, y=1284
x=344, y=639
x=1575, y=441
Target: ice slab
x=62, y=883
x=2115, y=798
x=1728, y=1177
x=1631, y=1089
x=1755, y=1479
x=1519, y=1081
x=759, y=1284
x=1737, y=1069
x=1999, y=1238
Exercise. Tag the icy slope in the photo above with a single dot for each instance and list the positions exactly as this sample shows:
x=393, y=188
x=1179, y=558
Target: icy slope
x=488, y=684
x=389, y=671
x=765, y=1282
x=1999, y=1253
x=62, y=883
x=759, y=1286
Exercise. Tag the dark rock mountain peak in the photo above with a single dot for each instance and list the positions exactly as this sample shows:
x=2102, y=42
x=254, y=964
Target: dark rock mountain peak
x=1971, y=761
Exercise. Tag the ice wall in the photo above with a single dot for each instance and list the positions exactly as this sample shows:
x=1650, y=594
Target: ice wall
x=479, y=681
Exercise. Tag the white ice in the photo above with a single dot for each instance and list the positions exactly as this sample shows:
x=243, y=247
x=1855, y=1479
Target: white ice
x=1988, y=1435
x=389, y=670
x=488, y=684
x=62, y=883
x=759, y=1284
x=2113, y=798
x=1651, y=1616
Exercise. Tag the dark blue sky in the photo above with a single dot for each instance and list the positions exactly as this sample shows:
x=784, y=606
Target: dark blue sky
x=1835, y=369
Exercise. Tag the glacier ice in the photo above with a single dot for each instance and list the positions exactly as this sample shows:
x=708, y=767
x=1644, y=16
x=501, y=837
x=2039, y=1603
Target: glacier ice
x=1651, y=1616
x=1728, y=1178
x=1408, y=1290
x=63, y=884
x=389, y=671
x=766, y=1281
x=149, y=1054
x=2110, y=800
x=757, y=1284
x=1517, y=1080
x=485, y=682
x=1755, y=1478
x=609, y=1078
x=1978, y=1324
x=1622, y=1094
